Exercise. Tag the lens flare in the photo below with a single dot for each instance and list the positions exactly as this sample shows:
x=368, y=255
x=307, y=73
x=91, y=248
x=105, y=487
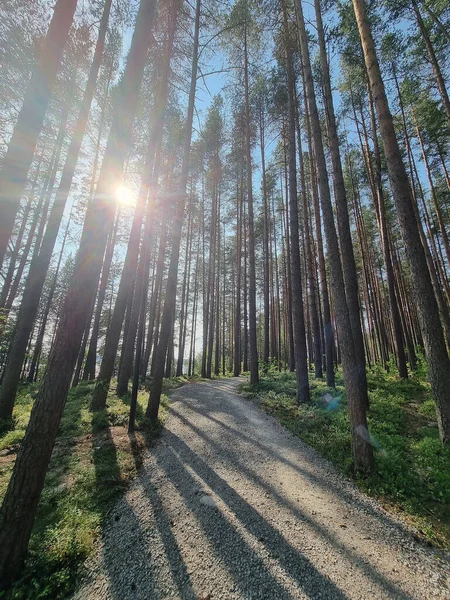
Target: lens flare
x=124, y=196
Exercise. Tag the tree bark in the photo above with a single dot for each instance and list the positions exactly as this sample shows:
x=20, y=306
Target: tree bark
x=298, y=317
x=435, y=349
x=20, y=502
x=433, y=59
x=19, y=156
x=254, y=373
x=356, y=395
x=42, y=255
x=345, y=236
x=171, y=286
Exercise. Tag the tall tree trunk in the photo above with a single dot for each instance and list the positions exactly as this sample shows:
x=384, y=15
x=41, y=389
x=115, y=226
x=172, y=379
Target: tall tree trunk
x=153, y=324
x=328, y=325
x=266, y=294
x=309, y=257
x=129, y=335
x=171, y=286
x=435, y=349
x=42, y=255
x=91, y=358
x=19, y=156
x=356, y=394
x=433, y=59
x=287, y=267
x=301, y=363
x=254, y=374
x=185, y=295
x=245, y=297
x=22, y=496
x=217, y=292
x=191, y=365
x=141, y=301
x=384, y=235
x=212, y=270
x=345, y=236
x=206, y=288
x=237, y=313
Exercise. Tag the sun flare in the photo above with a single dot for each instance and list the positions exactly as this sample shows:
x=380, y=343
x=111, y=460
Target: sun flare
x=124, y=195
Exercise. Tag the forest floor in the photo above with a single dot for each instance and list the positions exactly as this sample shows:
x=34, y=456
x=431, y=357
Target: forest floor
x=93, y=463
x=229, y=504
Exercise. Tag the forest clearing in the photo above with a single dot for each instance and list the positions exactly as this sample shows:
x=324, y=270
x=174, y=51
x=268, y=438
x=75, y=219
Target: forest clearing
x=224, y=299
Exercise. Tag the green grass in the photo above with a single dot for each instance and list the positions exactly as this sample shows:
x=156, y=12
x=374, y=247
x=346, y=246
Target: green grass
x=92, y=463
x=412, y=474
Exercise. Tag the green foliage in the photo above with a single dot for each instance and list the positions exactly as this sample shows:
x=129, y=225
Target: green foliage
x=412, y=467
x=92, y=463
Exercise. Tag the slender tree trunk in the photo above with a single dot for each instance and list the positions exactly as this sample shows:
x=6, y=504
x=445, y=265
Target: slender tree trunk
x=433, y=59
x=315, y=324
x=129, y=336
x=301, y=362
x=171, y=287
x=19, y=156
x=141, y=301
x=185, y=295
x=254, y=374
x=191, y=365
x=91, y=358
x=345, y=236
x=153, y=325
x=266, y=349
x=245, y=298
x=328, y=325
x=43, y=252
x=435, y=349
x=384, y=234
x=212, y=271
x=20, y=502
x=356, y=395
x=217, y=292
x=237, y=313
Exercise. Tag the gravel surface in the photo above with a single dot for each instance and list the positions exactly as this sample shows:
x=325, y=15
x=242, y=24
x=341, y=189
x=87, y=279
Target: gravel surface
x=230, y=505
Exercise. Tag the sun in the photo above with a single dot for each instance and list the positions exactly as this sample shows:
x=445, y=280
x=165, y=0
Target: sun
x=124, y=196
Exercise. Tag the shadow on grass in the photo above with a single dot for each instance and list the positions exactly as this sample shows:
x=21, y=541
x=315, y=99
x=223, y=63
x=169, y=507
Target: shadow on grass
x=56, y=548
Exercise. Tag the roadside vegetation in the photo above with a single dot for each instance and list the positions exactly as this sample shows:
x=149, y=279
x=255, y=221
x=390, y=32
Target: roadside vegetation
x=93, y=462
x=412, y=468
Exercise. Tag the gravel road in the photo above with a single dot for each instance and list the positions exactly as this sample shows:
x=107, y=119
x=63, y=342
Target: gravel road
x=230, y=505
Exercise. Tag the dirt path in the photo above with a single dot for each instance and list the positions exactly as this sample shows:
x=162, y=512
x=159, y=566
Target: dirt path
x=230, y=505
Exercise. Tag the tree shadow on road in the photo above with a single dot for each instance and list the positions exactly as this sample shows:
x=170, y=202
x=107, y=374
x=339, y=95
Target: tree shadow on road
x=245, y=565
x=248, y=515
